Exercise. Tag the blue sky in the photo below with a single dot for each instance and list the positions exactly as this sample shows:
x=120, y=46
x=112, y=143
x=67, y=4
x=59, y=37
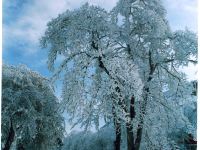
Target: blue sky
x=24, y=22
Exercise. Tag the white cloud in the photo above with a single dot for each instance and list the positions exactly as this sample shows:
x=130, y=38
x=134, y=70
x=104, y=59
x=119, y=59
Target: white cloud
x=190, y=71
x=189, y=6
x=31, y=23
x=182, y=13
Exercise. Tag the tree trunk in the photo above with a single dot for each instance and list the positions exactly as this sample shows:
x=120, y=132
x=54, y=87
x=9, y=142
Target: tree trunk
x=20, y=146
x=141, y=122
x=129, y=127
x=130, y=137
x=118, y=136
x=138, y=139
x=10, y=138
x=116, y=120
x=139, y=130
x=117, y=124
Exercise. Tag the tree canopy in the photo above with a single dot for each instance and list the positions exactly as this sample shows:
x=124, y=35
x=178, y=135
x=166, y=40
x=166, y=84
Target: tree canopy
x=30, y=111
x=122, y=65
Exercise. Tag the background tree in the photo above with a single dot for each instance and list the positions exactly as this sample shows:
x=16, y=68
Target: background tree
x=30, y=111
x=103, y=139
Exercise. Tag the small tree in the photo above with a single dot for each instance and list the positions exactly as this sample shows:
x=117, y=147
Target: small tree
x=30, y=111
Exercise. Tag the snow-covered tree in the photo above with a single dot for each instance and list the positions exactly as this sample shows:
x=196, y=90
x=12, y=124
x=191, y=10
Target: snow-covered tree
x=158, y=53
x=98, y=81
x=118, y=65
x=30, y=111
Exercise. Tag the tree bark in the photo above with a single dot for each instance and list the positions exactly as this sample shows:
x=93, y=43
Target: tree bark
x=118, y=136
x=139, y=133
x=129, y=127
x=152, y=68
x=117, y=124
x=20, y=146
x=141, y=122
x=130, y=137
x=138, y=139
x=10, y=138
x=117, y=121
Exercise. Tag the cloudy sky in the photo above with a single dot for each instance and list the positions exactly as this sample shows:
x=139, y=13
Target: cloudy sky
x=24, y=22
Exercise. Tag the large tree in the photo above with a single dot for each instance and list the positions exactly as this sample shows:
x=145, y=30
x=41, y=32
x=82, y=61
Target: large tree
x=97, y=80
x=157, y=51
x=30, y=111
x=119, y=63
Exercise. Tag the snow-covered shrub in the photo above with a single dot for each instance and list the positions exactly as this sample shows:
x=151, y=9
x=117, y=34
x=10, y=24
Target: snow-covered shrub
x=30, y=116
